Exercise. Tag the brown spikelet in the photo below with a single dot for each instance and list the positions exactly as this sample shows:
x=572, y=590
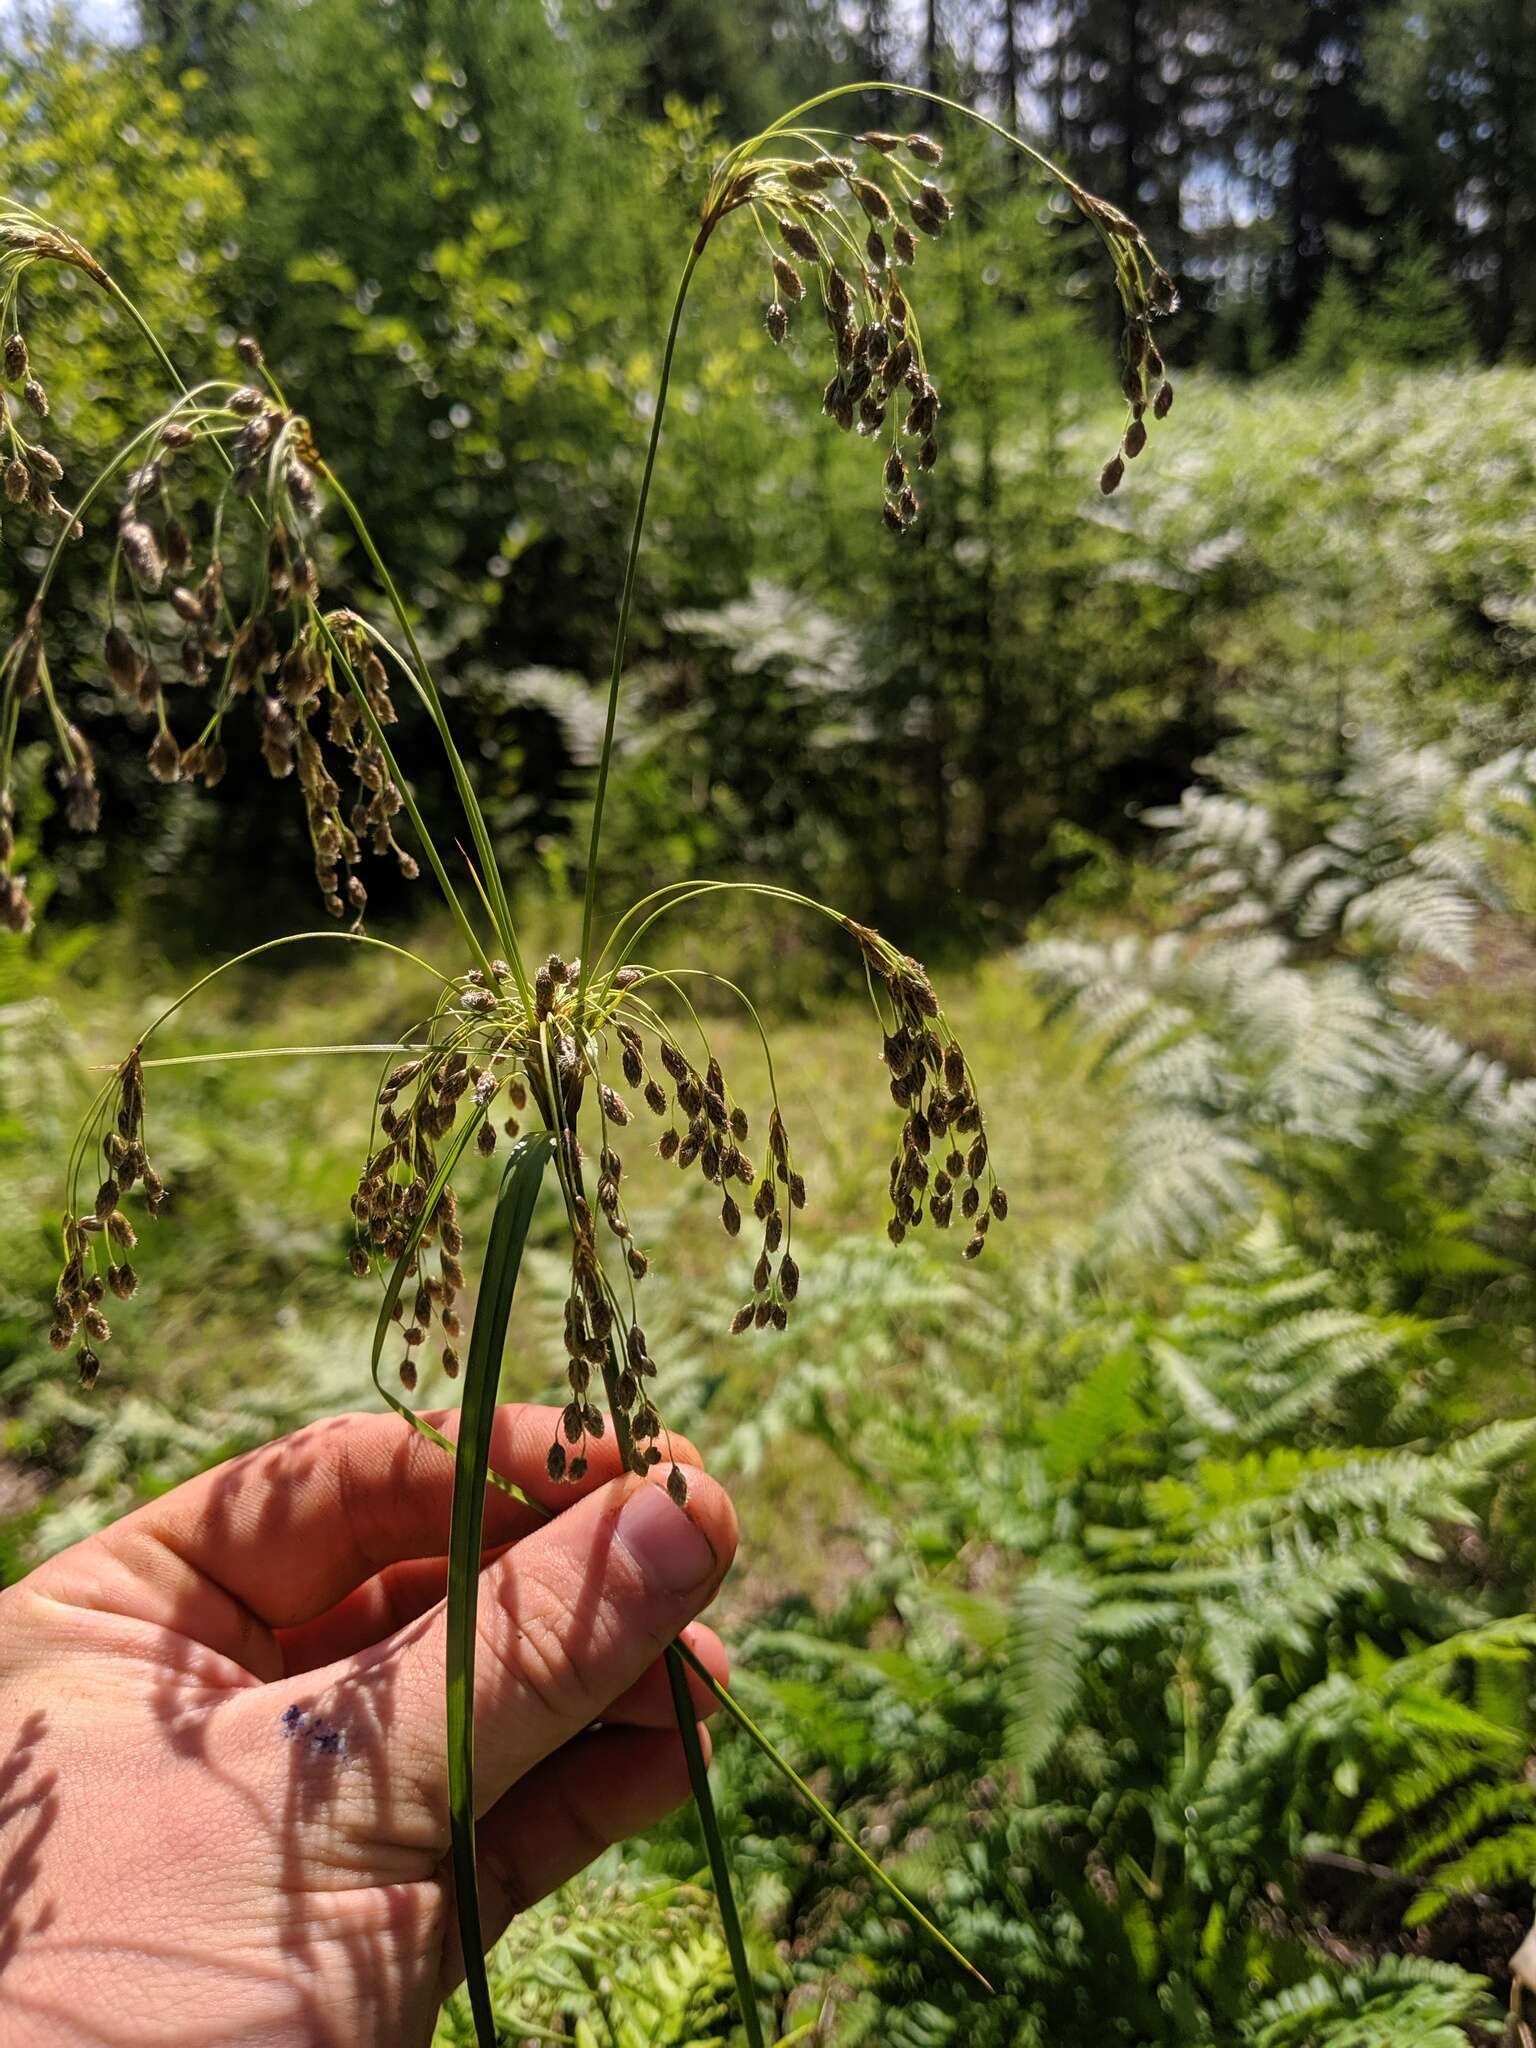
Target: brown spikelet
x=164, y=757
x=122, y=661
x=790, y=284
x=799, y=240
x=141, y=551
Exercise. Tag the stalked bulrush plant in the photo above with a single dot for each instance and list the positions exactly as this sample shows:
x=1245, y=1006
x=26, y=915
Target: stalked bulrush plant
x=217, y=633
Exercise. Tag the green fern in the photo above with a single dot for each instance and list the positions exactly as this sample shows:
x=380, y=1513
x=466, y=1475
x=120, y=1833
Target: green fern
x=1270, y=1040
x=610, y=1962
x=1401, y=871
x=1049, y=1642
x=1398, y=2002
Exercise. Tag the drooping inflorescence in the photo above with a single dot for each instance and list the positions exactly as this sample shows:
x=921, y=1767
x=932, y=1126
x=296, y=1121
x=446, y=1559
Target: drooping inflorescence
x=842, y=221
x=568, y=1053
x=213, y=621
x=98, y=1237
x=1146, y=293
x=943, y=1138
x=838, y=230
x=486, y=1059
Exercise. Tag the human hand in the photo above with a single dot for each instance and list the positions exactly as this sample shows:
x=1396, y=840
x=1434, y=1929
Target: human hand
x=223, y=1804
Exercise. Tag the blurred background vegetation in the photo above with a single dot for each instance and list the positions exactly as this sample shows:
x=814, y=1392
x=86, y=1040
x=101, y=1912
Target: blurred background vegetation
x=1156, y=1595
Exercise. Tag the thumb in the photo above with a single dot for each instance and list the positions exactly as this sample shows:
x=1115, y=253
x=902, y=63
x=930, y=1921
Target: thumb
x=569, y=1619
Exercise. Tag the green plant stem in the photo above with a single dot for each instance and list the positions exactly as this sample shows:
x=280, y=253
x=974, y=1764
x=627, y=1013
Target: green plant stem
x=477, y=1415
x=271, y=946
x=714, y=1843
x=273, y=1052
x=781, y=1763
x=114, y=290
x=788, y=121
x=698, y=1770
x=626, y=604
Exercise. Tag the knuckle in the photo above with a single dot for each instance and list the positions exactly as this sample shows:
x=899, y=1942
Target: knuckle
x=533, y=1640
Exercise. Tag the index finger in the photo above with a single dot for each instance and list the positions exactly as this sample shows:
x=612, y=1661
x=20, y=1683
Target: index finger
x=286, y=1532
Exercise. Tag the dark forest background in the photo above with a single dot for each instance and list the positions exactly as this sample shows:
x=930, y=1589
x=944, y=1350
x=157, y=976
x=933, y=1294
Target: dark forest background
x=455, y=228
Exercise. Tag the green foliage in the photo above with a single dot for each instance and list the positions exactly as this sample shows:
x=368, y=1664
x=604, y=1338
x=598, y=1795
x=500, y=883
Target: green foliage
x=615, y=1963
x=1400, y=2002
x=1139, y=1642
x=1331, y=343
x=102, y=138
x=1157, y=1622
x=1418, y=317
x=1411, y=317
x=1279, y=1032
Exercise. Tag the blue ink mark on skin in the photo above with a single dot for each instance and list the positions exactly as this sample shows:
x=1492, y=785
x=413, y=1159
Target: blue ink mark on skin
x=324, y=1740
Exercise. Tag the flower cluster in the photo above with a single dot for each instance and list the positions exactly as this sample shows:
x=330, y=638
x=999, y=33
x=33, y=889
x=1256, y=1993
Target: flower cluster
x=1146, y=293
x=845, y=220
x=315, y=679
x=840, y=217
x=487, y=1043
x=28, y=470
x=932, y=1081
x=97, y=1240
x=496, y=1049
x=194, y=628
x=565, y=1047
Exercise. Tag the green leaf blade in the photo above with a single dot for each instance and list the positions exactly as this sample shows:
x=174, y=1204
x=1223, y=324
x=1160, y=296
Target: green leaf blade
x=477, y=1415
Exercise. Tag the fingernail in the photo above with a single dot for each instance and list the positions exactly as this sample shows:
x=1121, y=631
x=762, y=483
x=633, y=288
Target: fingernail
x=673, y=1553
